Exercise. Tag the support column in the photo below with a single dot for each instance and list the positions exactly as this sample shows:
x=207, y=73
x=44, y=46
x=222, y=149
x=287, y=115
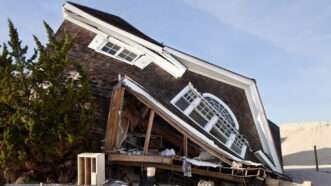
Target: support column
x=149, y=130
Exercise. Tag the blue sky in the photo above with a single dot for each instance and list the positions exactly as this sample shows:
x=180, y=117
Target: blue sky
x=284, y=45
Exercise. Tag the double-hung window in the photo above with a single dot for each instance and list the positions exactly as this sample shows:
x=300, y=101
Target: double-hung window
x=116, y=49
x=213, y=115
x=111, y=48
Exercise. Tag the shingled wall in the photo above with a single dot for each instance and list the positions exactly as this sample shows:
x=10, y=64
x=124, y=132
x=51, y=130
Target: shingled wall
x=103, y=70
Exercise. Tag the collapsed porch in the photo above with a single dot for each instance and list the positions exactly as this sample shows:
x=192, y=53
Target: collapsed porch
x=139, y=129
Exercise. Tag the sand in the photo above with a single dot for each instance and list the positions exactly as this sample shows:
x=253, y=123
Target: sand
x=298, y=140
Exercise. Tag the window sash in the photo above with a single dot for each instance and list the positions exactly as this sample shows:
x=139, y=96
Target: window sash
x=197, y=108
x=127, y=55
x=115, y=48
x=110, y=48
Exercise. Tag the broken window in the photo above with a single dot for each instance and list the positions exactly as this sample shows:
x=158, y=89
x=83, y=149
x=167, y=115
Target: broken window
x=213, y=115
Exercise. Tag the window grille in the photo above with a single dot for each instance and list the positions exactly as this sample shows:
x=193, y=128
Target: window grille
x=127, y=55
x=202, y=109
x=111, y=48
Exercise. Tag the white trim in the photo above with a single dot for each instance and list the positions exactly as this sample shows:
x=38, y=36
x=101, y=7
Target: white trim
x=230, y=140
x=192, y=106
x=99, y=41
x=74, y=9
x=262, y=157
x=87, y=21
x=138, y=89
x=211, y=123
x=243, y=151
x=248, y=85
x=225, y=106
x=181, y=94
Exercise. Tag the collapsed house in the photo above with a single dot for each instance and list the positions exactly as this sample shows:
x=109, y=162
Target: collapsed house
x=159, y=107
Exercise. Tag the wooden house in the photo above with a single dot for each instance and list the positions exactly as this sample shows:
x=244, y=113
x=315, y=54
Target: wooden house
x=160, y=107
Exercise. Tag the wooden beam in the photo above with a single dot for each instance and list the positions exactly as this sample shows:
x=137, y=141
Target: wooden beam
x=116, y=103
x=197, y=171
x=140, y=158
x=185, y=142
x=149, y=130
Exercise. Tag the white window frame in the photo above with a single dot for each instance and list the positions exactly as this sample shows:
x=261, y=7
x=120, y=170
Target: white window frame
x=99, y=41
x=211, y=122
x=225, y=106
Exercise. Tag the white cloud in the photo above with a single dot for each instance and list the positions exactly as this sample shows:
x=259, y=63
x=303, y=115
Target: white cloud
x=300, y=27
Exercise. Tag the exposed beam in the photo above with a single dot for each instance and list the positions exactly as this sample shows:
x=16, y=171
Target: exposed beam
x=140, y=158
x=197, y=171
x=114, y=114
x=185, y=142
x=149, y=130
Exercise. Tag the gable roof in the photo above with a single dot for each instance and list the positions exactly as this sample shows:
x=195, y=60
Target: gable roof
x=104, y=23
x=116, y=21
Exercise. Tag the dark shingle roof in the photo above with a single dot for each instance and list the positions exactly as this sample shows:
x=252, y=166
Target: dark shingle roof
x=115, y=21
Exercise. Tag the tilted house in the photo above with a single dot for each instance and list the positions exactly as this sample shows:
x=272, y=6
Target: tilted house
x=153, y=97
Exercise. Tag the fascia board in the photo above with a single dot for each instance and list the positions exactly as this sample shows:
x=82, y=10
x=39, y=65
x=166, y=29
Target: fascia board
x=76, y=10
x=240, y=80
x=175, y=68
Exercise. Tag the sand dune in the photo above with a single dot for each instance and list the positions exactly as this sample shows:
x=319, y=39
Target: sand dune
x=298, y=140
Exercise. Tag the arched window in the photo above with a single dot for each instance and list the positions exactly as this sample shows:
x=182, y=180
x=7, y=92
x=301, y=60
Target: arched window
x=212, y=115
x=222, y=108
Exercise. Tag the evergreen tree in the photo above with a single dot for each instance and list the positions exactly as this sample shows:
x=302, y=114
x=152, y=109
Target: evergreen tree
x=46, y=106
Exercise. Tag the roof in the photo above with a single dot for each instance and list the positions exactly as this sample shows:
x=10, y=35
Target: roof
x=115, y=21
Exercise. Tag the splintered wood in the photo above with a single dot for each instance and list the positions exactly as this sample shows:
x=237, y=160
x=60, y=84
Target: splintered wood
x=116, y=103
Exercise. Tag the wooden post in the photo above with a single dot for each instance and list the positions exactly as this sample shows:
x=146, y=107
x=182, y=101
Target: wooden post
x=116, y=101
x=149, y=130
x=316, y=158
x=185, y=142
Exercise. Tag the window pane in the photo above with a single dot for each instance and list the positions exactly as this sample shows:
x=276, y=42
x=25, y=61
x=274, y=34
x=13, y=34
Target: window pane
x=223, y=128
x=198, y=118
x=127, y=55
x=219, y=135
x=110, y=48
x=236, y=149
x=182, y=104
x=221, y=110
x=237, y=145
x=189, y=96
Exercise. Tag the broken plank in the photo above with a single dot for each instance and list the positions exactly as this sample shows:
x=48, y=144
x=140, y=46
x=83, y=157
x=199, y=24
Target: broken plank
x=149, y=130
x=185, y=145
x=140, y=158
x=116, y=102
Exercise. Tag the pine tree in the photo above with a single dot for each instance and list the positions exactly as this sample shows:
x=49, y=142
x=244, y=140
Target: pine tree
x=46, y=106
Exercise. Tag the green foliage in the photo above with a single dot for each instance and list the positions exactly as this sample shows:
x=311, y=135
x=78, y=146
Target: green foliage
x=46, y=105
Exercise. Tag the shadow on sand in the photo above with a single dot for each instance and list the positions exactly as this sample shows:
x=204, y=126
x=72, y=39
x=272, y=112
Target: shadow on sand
x=307, y=157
